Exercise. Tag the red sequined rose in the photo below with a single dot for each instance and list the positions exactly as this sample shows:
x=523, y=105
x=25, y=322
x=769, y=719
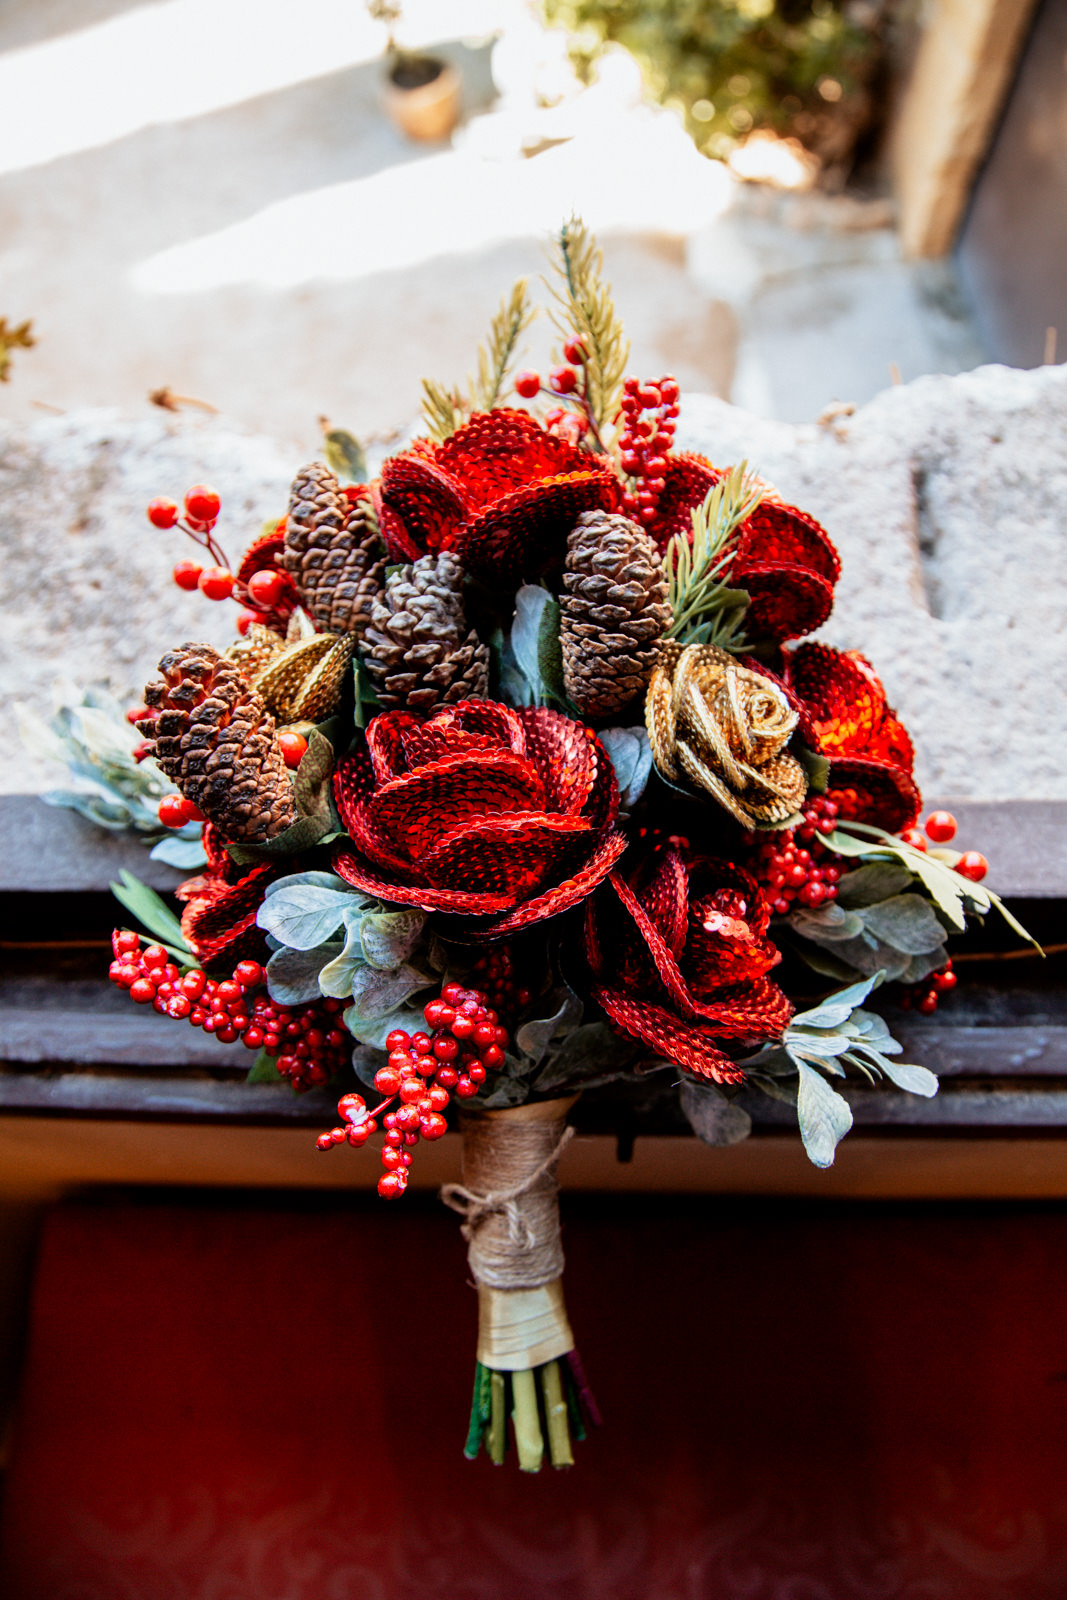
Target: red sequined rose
x=678, y=949
x=785, y=559
x=501, y=492
x=502, y=817
x=219, y=918
x=845, y=715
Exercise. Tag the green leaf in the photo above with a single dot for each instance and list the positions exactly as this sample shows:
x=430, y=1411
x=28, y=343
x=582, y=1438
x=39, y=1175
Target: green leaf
x=533, y=1038
x=150, y=911
x=712, y=1117
x=550, y=653
x=816, y=766
x=631, y=756
x=824, y=1116
x=830, y=1013
x=265, y=1070
x=906, y=922
x=531, y=604
x=865, y=886
x=375, y=994
x=303, y=915
x=185, y=854
x=389, y=937
x=916, y=1080
x=829, y=924
x=345, y=457
x=293, y=976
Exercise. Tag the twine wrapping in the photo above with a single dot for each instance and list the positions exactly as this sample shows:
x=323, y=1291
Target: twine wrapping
x=509, y=1200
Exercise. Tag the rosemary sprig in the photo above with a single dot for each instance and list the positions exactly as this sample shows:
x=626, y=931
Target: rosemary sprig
x=445, y=410
x=497, y=356
x=587, y=312
x=705, y=609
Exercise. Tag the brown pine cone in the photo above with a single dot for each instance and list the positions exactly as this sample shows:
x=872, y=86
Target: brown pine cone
x=214, y=738
x=333, y=551
x=418, y=650
x=614, y=612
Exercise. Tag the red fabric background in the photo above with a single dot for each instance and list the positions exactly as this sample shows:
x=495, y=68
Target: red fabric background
x=257, y=1401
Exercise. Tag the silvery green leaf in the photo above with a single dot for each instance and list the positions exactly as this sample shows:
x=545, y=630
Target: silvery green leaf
x=531, y=603
x=631, y=756
x=389, y=937
x=907, y=922
x=874, y=1030
x=532, y=1039
x=878, y=880
x=366, y=1061
x=321, y=880
x=591, y=1054
x=293, y=975
x=824, y=1115
x=869, y=957
x=373, y=1031
x=303, y=915
x=107, y=740
x=920, y=967
x=776, y=1086
x=337, y=976
x=38, y=737
x=916, y=1080
x=712, y=1117
x=376, y=993
x=826, y=924
x=824, y=1045
x=837, y=1008
x=185, y=854
x=505, y=1092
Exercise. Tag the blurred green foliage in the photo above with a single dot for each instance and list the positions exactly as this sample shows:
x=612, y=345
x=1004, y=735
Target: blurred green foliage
x=797, y=67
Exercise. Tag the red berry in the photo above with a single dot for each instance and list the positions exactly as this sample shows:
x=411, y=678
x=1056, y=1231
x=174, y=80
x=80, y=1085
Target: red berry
x=392, y=1157
x=398, y=1040
x=463, y=1027
x=476, y=1073
x=324, y=1142
x=411, y=1090
x=812, y=894
x=574, y=350
x=972, y=864
x=493, y=1058
x=927, y=1004
x=266, y=587
x=292, y=747
x=216, y=583
x=527, y=384
x=358, y=1134
x=447, y=1077
x=187, y=574
x=407, y=1118
x=127, y=941
x=438, y=1097
x=248, y=973
x=245, y=620
x=390, y=1186
x=154, y=955
x=171, y=811
x=162, y=513
x=433, y=1125
x=402, y=1060
x=465, y=1088
x=143, y=991
x=941, y=826
x=943, y=981
x=564, y=380
x=915, y=838
x=202, y=503
x=351, y=1107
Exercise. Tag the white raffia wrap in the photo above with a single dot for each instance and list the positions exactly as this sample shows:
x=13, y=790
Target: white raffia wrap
x=509, y=1199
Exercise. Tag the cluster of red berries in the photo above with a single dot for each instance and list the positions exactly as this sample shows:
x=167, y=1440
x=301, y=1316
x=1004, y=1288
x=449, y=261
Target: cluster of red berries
x=423, y=1072
x=649, y=413
x=795, y=864
x=309, y=1045
x=940, y=827
x=497, y=975
x=570, y=384
x=924, y=996
x=201, y=514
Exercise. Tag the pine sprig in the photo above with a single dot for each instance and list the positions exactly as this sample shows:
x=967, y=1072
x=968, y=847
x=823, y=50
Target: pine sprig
x=705, y=609
x=587, y=312
x=445, y=410
x=19, y=337
x=497, y=356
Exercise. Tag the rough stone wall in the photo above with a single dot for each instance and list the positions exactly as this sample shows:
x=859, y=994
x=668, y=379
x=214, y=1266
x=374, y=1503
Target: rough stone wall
x=947, y=499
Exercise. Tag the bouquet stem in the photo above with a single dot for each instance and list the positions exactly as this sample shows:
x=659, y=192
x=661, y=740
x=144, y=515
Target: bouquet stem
x=509, y=1199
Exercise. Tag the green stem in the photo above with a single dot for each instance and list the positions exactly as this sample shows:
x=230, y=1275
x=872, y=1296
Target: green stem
x=529, y=1440
x=481, y=1410
x=497, y=1438
x=559, y=1438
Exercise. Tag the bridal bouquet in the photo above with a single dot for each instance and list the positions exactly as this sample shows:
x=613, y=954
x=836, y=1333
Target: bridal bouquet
x=517, y=780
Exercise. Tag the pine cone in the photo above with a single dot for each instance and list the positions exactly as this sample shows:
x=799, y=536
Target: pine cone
x=418, y=650
x=214, y=738
x=333, y=551
x=615, y=612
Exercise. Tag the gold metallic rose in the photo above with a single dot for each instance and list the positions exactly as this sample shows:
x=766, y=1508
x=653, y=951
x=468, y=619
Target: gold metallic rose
x=725, y=729
x=300, y=679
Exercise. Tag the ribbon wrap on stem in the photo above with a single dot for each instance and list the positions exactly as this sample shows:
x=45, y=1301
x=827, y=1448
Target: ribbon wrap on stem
x=509, y=1200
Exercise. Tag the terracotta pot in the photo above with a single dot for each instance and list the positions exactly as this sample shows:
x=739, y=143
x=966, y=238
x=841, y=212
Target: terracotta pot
x=429, y=112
